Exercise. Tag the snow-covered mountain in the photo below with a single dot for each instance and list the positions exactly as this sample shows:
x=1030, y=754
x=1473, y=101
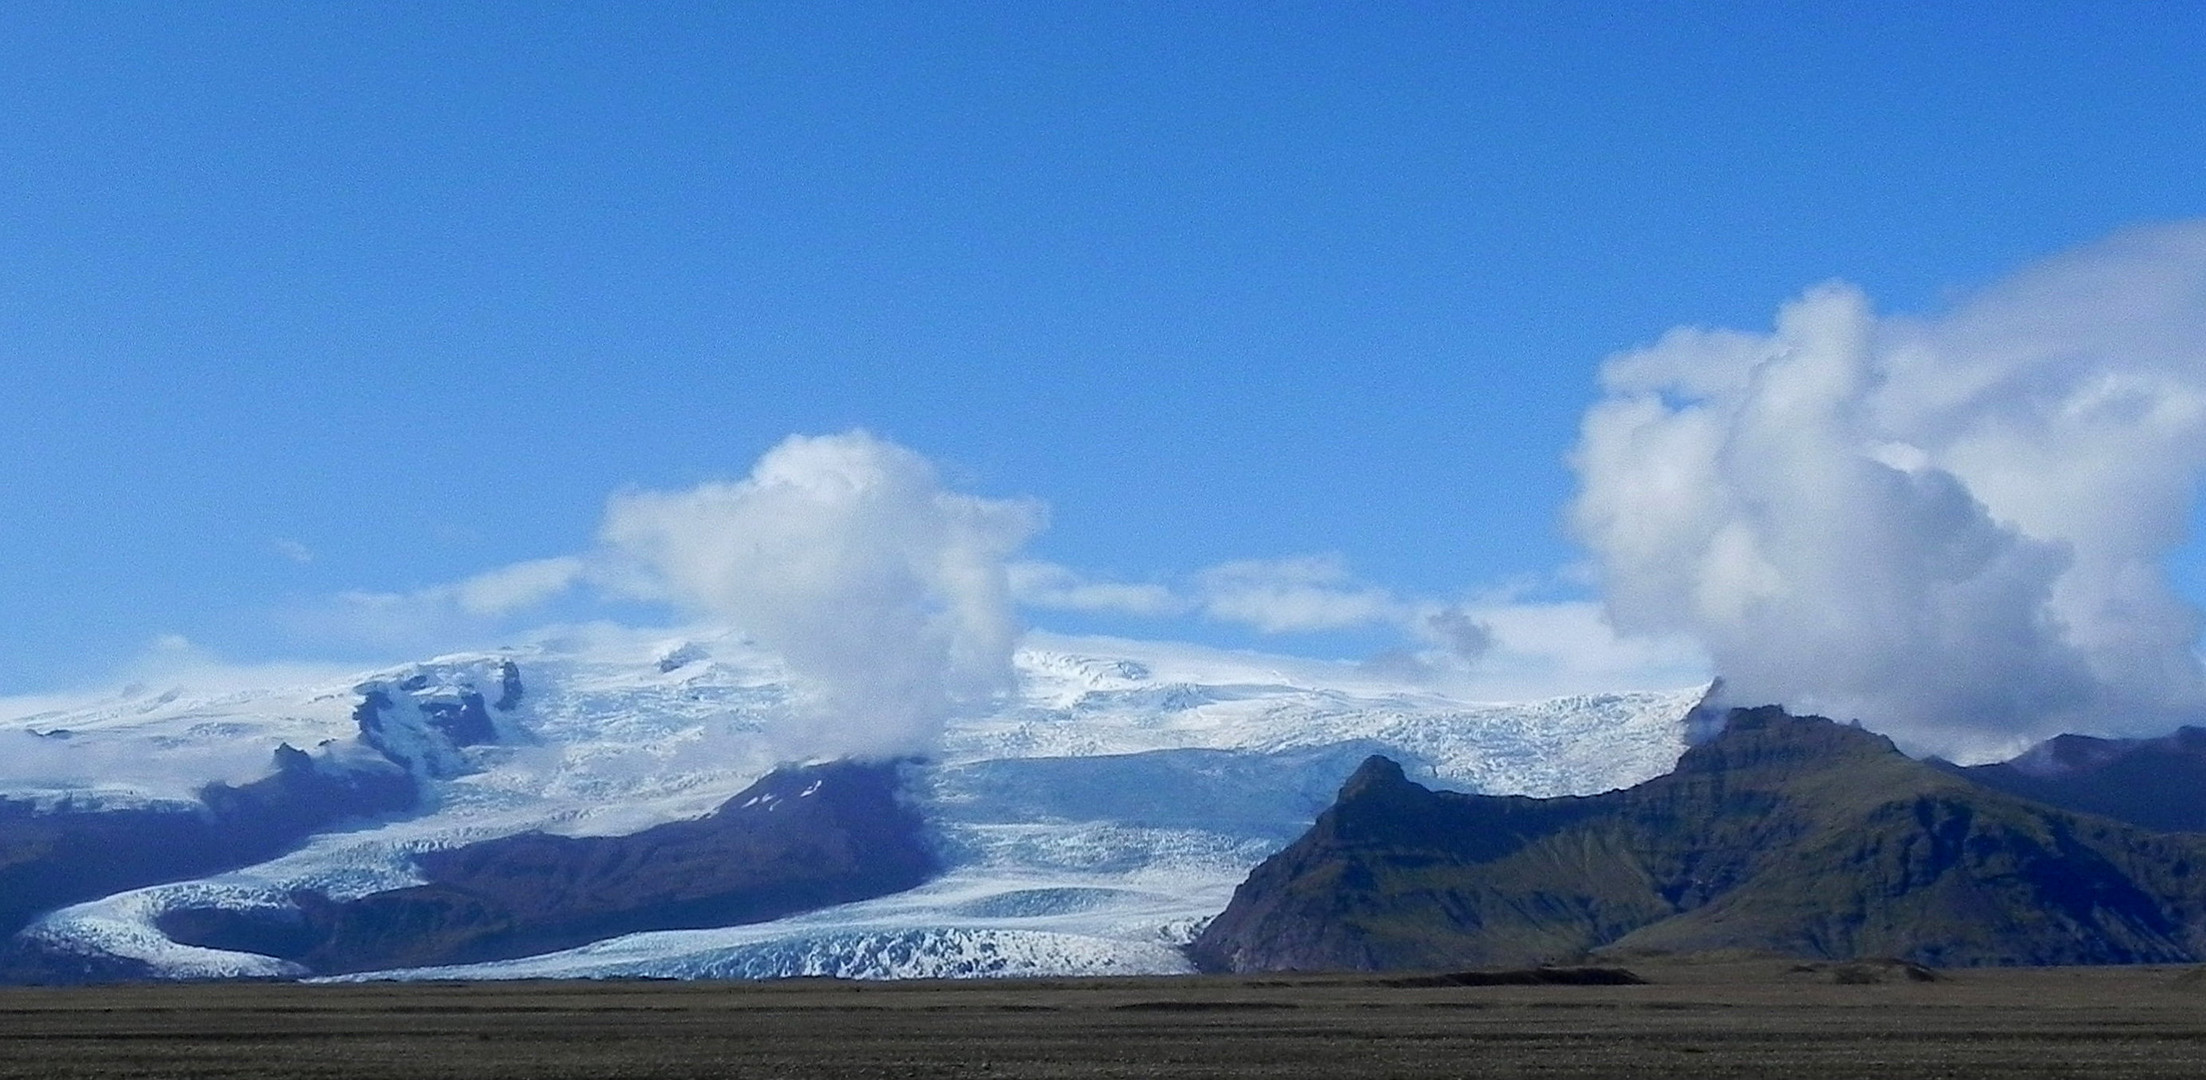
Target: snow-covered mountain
x=1089, y=825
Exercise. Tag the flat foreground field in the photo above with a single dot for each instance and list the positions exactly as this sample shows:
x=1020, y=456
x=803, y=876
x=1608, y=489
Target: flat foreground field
x=1744, y=1018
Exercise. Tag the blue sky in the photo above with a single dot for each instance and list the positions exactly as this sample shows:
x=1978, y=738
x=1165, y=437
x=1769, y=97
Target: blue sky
x=300, y=301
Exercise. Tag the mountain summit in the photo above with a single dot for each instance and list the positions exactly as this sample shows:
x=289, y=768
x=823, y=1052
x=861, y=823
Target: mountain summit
x=2157, y=783
x=1786, y=834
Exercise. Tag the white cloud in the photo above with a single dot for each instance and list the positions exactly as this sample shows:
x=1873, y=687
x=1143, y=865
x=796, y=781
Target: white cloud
x=424, y=620
x=1294, y=595
x=1498, y=647
x=292, y=550
x=886, y=594
x=1569, y=647
x=39, y=750
x=1952, y=528
x=443, y=616
x=1057, y=588
x=1291, y=595
x=519, y=586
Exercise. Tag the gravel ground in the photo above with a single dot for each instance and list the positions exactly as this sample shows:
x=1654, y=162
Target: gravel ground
x=1747, y=1018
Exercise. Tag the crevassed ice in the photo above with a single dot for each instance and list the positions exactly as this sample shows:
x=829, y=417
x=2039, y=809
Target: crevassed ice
x=1090, y=825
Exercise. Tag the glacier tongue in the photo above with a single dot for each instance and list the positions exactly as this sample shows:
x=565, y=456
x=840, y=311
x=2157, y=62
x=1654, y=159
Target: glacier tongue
x=1088, y=826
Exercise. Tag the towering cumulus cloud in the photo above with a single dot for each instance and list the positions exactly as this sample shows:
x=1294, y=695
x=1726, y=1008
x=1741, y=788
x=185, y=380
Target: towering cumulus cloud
x=1953, y=529
x=885, y=593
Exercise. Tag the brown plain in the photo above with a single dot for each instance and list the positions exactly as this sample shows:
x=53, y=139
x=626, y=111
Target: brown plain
x=1748, y=1017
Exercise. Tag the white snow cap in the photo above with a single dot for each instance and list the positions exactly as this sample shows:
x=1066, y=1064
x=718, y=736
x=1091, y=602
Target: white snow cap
x=1951, y=528
x=884, y=592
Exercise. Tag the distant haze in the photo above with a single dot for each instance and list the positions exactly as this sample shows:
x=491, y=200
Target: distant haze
x=1954, y=528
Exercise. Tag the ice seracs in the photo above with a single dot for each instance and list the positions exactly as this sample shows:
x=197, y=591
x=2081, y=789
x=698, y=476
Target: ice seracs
x=1088, y=824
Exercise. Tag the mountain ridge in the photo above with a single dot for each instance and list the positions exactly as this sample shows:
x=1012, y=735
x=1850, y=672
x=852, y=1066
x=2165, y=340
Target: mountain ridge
x=1781, y=834
x=2158, y=783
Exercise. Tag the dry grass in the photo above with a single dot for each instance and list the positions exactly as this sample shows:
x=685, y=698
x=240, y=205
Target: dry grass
x=1748, y=1018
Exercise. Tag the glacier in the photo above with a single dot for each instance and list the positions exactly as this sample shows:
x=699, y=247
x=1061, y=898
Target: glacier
x=1088, y=824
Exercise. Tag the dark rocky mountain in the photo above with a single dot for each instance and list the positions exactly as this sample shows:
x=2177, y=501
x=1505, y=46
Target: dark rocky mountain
x=2157, y=783
x=54, y=855
x=61, y=852
x=1785, y=834
x=797, y=840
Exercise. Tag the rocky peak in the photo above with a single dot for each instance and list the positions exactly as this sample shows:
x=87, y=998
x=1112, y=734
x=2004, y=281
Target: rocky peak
x=422, y=718
x=1377, y=774
x=1767, y=738
x=2157, y=783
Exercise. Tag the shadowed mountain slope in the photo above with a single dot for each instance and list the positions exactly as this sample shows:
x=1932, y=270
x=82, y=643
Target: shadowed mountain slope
x=55, y=852
x=798, y=839
x=1782, y=833
x=51, y=856
x=2157, y=783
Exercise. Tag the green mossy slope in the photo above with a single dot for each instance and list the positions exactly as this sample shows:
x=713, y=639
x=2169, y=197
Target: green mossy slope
x=1783, y=834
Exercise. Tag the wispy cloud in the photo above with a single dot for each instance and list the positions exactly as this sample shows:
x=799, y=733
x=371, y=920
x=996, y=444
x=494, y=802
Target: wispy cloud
x=444, y=616
x=1480, y=643
x=518, y=587
x=171, y=673
x=1294, y=595
x=1051, y=587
